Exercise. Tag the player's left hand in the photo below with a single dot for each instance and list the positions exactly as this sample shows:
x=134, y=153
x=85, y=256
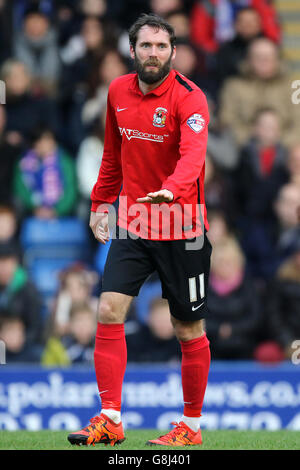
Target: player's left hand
x=164, y=195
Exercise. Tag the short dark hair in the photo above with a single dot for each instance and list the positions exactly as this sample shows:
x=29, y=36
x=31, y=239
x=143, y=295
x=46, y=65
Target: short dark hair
x=154, y=21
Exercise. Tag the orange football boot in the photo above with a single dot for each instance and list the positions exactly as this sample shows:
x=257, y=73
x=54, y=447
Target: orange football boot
x=102, y=430
x=181, y=435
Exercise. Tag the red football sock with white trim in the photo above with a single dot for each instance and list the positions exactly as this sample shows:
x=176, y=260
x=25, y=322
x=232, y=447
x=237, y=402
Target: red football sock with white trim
x=110, y=358
x=194, y=373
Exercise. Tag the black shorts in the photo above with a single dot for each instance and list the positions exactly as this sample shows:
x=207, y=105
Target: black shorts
x=183, y=272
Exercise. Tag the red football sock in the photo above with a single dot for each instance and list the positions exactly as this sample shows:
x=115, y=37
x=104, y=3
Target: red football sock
x=194, y=372
x=110, y=357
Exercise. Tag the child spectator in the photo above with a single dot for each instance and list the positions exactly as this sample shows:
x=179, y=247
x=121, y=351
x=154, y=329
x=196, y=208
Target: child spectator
x=234, y=321
x=45, y=180
x=155, y=341
x=77, y=346
x=17, y=347
x=77, y=284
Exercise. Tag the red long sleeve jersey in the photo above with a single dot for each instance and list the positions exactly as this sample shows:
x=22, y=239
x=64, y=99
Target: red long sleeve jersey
x=155, y=141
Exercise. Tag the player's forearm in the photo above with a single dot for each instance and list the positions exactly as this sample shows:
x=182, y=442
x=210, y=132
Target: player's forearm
x=188, y=167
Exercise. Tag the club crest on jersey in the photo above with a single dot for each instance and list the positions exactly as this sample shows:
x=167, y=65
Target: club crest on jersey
x=159, y=117
x=196, y=122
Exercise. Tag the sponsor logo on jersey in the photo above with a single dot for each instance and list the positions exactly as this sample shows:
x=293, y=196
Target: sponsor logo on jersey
x=196, y=122
x=136, y=134
x=159, y=117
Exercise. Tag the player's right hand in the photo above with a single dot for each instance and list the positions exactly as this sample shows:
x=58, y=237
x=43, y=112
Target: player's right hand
x=99, y=226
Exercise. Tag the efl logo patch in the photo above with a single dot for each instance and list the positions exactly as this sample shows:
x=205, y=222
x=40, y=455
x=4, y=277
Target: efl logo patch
x=196, y=122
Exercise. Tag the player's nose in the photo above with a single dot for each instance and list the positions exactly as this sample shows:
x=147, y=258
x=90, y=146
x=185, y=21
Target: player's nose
x=153, y=51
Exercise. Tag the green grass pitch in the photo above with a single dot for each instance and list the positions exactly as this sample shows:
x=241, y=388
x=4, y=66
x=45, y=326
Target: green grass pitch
x=135, y=440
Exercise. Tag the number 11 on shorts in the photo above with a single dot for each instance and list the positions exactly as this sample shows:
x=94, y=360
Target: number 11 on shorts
x=193, y=288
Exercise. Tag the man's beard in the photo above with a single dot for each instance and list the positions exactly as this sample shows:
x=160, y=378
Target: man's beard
x=151, y=76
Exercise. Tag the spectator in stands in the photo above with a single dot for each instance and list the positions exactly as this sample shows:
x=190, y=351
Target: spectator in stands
x=88, y=162
x=283, y=302
x=190, y=62
x=155, y=341
x=164, y=7
x=76, y=346
x=219, y=227
x=263, y=83
x=79, y=343
x=36, y=46
x=221, y=143
x=262, y=168
x=17, y=347
x=212, y=21
x=267, y=245
x=18, y=296
x=96, y=8
x=77, y=285
x=234, y=322
x=218, y=194
x=25, y=111
x=81, y=57
x=111, y=66
x=8, y=224
x=8, y=158
x=231, y=54
x=180, y=22
x=82, y=49
x=45, y=182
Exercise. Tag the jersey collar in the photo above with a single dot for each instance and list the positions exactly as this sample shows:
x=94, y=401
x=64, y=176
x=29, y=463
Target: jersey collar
x=156, y=91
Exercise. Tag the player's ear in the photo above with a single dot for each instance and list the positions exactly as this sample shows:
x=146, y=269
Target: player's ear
x=174, y=53
x=132, y=53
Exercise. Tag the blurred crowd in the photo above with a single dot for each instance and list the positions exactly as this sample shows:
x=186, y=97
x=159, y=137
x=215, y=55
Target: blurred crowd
x=57, y=59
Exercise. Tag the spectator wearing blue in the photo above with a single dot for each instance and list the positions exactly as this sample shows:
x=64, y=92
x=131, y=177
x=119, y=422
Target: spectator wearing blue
x=45, y=180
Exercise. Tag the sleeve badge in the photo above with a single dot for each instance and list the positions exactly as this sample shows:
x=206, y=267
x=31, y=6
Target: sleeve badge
x=196, y=122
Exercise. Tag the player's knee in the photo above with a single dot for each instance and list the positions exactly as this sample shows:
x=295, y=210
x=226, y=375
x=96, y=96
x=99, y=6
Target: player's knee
x=107, y=313
x=186, y=331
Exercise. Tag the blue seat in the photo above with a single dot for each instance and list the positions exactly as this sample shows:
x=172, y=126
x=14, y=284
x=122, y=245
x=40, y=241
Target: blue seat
x=65, y=237
x=60, y=231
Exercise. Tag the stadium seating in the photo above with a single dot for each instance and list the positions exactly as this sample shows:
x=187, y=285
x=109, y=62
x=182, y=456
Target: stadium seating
x=50, y=246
